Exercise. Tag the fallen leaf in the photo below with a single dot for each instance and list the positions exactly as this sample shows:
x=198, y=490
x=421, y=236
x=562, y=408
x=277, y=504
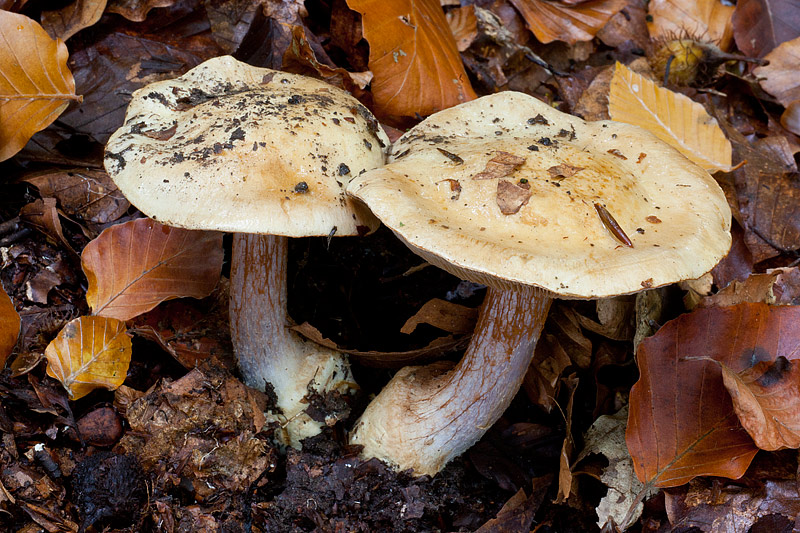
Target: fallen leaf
x=132, y=267
x=35, y=84
x=43, y=215
x=544, y=373
x=447, y=316
x=85, y=194
x=779, y=78
x=136, y=10
x=768, y=489
x=565, y=476
x=9, y=326
x=414, y=58
x=464, y=25
x=790, y=119
x=672, y=117
x=757, y=288
x=614, y=318
x=706, y=20
x=563, y=171
x=512, y=196
x=72, y=18
x=555, y=21
x=375, y=359
x=786, y=289
x=761, y=25
x=518, y=512
x=89, y=353
x=682, y=423
x=500, y=166
x=606, y=437
x=767, y=401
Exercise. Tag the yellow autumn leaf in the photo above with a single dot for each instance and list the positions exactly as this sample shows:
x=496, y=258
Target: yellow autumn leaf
x=89, y=352
x=672, y=117
x=35, y=84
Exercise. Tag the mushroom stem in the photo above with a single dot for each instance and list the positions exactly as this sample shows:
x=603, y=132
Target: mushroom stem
x=266, y=349
x=426, y=416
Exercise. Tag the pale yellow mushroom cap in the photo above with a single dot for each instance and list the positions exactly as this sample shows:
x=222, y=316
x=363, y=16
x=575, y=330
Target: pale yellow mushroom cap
x=232, y=147
x=557, y=169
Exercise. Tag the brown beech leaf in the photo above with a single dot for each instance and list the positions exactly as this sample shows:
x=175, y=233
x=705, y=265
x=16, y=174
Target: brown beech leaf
x=9, y=326
x=72, y=18
x=136, y=10
x=779, y=78
x=414, y=58
x=767, y=401
x=500, y=166
x=464, y=25
x=682, y=423
x=672, y=117
x=447, y=316
x=436, y=348
x=709, y=20
x=83, y=193
x=512, y=196
x=89, y=353
x=555, y=21
x=132, y=267
x=35, y=84
x=761, y=25
x=756, y=288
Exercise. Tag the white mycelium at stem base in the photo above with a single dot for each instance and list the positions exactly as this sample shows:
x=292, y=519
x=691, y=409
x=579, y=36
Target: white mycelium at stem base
x=427, y=416
x=267, y=350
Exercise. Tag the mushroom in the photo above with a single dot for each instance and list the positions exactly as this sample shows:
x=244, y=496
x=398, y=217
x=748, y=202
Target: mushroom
x=266, y=155
x=536, y=204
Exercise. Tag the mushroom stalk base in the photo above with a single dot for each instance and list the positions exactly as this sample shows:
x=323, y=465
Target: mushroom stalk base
x=266, y=349
x=427, y=416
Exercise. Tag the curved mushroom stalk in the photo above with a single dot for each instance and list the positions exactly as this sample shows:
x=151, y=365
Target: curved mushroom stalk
x=426, y=416
x=267, y=350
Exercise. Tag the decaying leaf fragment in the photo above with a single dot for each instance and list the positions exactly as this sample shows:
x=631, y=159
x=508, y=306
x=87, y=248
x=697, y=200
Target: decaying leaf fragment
x=672, y=117
x=500, y=166
x=512, y=196
x=767, y=401
x=90, y=352
x=35, y=84
x=132, y=267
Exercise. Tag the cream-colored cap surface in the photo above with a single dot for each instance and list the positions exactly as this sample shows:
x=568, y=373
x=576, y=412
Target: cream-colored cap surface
x=232, y=147
x=442, y=194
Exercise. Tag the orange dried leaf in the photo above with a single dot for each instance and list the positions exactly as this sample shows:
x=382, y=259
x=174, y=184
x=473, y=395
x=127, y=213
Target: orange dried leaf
x=447, y=316
x=767, y=401
x=500, y=166
x=132, y=267
x=35, y=84
x=413, y=55
x=709, y=20
x=136, y=10
x=554, y=21
x=9, y=326
x=90, y=352
x=682, y=422
x=672, y=117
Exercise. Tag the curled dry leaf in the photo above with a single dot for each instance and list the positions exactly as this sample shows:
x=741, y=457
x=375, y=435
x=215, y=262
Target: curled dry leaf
x=35, y=84
x=512, y=196
x=555, y=21
x=779, y=78
x=464, y=25
x=9, y=326
x=132, y=267
x=447, y=316
x=89, y=353
x=500, y=166
x=414, y=58
x=767, y=401
x=709, y=20
x=136, y=10
x=672, y=117
x=72, y=18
